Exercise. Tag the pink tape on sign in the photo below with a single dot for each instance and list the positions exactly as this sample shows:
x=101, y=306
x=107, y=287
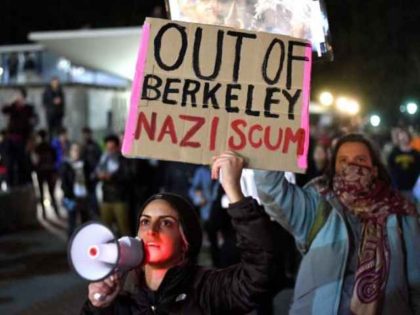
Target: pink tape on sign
x=304, y=123
x=136, y=90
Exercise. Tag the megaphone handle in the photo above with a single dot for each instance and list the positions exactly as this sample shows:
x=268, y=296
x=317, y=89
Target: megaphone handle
x=99, y=297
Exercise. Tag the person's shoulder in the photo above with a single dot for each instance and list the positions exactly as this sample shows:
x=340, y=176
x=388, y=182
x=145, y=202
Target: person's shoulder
x=320, y=184
x=202, y=274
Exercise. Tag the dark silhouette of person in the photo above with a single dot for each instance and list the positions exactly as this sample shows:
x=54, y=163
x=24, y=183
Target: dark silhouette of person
x=22, y=119
x=44, y=164
x=54, y=103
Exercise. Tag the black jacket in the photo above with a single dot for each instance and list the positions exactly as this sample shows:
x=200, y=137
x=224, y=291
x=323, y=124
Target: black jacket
x=22, y=119
x=68, y=176
x=48, y=100
x=115, y=188
x=192, y=289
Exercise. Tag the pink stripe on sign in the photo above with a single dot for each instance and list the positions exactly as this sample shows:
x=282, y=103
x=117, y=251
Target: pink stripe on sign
x=130, y=126
x=304, y=123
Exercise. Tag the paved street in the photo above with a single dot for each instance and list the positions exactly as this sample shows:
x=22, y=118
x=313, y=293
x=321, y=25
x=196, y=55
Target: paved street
x=34, y=274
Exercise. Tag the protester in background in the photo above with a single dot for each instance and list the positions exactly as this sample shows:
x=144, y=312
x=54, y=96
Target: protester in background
x=3, y=169
x=61, y=145
x=13, y=67
x=320, y=156
x=404, y=164
x=112, y=172
x=44, y=159
x=177, y=177
x=390, y=144
x=302, y=179
x=91, y=154
x=22, y=119
x=204, y=192
x=141, y=174
x=415, y=140
x=360, y=238
x=54, y=103
x=75, y=182
x=170, y=281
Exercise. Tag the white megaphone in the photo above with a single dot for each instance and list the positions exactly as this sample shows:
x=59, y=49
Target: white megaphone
x=95, y=253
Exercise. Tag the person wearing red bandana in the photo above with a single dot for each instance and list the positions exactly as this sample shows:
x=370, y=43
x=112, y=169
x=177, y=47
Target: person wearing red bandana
x=360, y=239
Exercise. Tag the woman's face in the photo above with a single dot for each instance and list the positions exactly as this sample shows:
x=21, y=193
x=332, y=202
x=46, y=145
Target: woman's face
x=160, y=231
x=355, y=153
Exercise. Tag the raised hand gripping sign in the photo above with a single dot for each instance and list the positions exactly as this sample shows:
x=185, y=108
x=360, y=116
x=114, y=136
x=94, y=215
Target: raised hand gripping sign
x=200, y=90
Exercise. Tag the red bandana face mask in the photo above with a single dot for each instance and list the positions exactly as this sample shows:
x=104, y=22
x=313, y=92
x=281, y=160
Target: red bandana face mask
x=355, y=186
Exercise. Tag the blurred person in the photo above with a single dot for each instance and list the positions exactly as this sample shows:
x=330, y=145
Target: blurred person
x=320, y=157
x=360, y=238
x=13, y=66
x=54, y=103
x=415, y=141
x=3, y=169
x=141, y=175
x=30, y=67
x=74, y=183
x=91, y=150
x=389, y=144
x=44, y=160
x=22, y=119
x=91, y=153
x=404, y=164
x=204, y=193
x=112, y=172
x=61, y=145
x=177, y=177
x=170, y=281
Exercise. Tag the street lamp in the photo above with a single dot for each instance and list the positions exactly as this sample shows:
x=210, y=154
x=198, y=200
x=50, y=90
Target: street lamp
x=326, y=99
x=353, y=107
x=412, y=108
x=342, y=104
x=375, y=120
x=348, y=106
x=1, y=71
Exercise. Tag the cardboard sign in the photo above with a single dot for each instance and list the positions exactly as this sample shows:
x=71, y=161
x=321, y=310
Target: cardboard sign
x=200, y=90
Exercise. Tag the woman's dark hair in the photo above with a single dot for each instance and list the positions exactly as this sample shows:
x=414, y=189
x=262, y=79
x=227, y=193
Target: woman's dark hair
x=373, y=151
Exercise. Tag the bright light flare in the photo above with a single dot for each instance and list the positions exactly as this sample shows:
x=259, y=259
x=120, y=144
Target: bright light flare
x=348, y=106
x=64, y=64
x=412, y=108
x=342, y=104
x=375, y=120
x=353, y=107
x=326, y=99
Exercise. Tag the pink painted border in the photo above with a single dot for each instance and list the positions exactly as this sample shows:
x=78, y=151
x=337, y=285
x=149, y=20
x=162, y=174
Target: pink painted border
x=304, y=123
x=135, y=90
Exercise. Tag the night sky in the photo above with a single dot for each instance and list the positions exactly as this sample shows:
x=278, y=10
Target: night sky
x=376, y=42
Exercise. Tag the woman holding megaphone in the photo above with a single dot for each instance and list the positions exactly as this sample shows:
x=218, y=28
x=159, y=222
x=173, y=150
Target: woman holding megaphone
x=170, y=281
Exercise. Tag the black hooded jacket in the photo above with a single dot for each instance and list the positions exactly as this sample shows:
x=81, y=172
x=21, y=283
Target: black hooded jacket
x=191, y=289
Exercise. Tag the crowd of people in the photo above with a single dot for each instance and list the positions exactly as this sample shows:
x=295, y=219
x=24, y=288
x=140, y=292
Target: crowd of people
x=349, y=224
